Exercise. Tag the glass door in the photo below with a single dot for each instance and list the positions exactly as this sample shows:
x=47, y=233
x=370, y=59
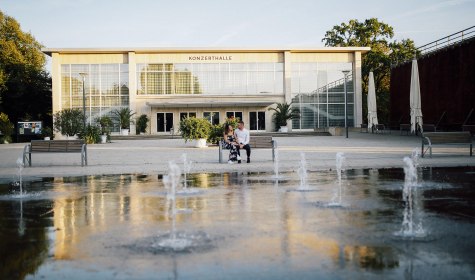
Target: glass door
x=164, y=122
x=257, y=121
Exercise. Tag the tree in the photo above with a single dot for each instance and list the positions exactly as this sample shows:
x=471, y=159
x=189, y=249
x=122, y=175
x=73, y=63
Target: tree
x=384, y=53
x=25, y=88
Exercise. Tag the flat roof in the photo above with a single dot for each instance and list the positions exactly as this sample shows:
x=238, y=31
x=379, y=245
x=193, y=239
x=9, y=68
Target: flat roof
x=49, y=51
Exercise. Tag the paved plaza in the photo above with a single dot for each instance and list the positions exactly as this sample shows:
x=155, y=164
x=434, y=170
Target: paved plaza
x=151, y=155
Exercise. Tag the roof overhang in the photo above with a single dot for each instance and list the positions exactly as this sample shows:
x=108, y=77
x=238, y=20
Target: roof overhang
x=49, y=51
x=215, y=104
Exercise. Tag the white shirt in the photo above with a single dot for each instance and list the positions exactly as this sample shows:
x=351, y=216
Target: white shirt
x=242, y=136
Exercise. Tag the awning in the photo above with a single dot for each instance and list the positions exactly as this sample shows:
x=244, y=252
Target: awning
x=209, y=104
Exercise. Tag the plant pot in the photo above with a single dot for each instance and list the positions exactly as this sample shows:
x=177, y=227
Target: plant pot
x=284, y=129
x=200, y=143
x=47, y=138
x=124, y=131
x=103, y=139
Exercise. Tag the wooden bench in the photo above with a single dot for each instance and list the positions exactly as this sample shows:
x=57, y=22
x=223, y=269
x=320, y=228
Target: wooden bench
x=445, y=138
x=256, y=142
x=55, y=146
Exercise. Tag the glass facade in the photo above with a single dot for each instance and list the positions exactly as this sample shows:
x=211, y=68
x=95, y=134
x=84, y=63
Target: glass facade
x=210, y=78
x=318, y=91
x=106, y=88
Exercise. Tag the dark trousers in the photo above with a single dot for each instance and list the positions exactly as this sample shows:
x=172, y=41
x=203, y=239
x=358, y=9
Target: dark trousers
x=247, y=148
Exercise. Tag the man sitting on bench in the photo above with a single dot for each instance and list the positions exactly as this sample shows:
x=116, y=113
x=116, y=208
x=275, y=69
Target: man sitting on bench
x=242, y=135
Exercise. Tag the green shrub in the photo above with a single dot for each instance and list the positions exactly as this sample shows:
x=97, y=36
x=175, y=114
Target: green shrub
x=195, y=128
x=69, y=121
x=141, y=124
x=217, y=130
x=91, y=135
x=6, y=128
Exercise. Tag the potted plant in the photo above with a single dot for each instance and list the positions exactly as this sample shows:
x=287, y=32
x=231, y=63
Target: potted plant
x=47, y=133
x=195, y=129
x=124, y=117
x=141, y=124
x=282, y=113
x=91, y=135
x=105, y=123
x=68, y=122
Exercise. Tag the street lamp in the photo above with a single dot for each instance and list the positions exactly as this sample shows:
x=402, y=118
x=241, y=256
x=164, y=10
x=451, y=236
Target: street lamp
x=345, y=72
x=83, y=75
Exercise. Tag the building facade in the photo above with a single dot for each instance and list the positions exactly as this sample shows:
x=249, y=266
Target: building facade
x=170, y=84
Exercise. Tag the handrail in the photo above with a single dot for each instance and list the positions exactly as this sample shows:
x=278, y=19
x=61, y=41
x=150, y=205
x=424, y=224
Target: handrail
x=468, y=117
x=333, y=84
x=449, y=40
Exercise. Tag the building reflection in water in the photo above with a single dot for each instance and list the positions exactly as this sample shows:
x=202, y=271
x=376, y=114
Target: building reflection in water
x=256, y=221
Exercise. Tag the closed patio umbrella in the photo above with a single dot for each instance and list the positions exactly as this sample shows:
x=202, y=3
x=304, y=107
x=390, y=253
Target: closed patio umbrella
x=372, y=111
x=415, y=98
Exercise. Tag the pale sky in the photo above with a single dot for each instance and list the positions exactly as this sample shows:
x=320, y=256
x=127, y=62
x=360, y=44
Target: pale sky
x=224, y=23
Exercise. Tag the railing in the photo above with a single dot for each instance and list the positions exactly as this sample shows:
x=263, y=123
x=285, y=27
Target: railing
x=447, y=41
x=333, y=84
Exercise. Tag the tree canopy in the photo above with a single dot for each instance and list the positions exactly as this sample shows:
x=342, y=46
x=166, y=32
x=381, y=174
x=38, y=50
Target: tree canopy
x=25, y=88
x=384, y=53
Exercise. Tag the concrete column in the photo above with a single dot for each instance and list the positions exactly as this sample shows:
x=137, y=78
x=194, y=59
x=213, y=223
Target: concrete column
x=56, y=84
x=288, y=81
x=357, y=83
x=133, y=88
x=56, y=81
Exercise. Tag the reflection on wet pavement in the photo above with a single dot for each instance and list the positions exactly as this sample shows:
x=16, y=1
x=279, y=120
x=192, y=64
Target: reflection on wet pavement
x=250, y=225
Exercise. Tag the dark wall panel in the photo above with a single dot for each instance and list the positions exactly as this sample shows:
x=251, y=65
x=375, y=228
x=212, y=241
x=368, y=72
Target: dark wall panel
x=447, y=80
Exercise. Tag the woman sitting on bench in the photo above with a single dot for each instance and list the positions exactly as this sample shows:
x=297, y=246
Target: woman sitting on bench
x=230, y=143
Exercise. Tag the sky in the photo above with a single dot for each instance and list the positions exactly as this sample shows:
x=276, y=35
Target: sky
x=226, y=23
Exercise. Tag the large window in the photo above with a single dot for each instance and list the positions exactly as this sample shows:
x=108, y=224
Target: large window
x=318, y=91
x=237, y=115
x=210, y=78
x=184, y=115
x=212, y=117
x=106, y=88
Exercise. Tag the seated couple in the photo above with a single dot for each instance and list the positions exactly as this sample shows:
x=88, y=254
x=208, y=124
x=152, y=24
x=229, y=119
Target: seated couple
x=235, y=140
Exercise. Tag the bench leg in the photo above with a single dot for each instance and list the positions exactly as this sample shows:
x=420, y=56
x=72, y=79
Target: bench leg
x=84, y=155
x=220, y=153
x=422, y=151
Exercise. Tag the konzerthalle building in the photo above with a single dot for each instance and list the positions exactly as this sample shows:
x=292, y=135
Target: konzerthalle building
x=168, y=84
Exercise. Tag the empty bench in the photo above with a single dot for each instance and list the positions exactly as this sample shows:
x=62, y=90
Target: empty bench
x=445, y=138
x=256, y=142
x=55, y=146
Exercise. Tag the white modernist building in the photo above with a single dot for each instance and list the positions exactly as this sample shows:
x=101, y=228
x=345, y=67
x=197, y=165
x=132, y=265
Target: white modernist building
x=168, y=84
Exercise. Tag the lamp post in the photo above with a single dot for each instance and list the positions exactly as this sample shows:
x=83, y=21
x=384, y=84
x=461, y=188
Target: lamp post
x=345, y=72
x=83, y=75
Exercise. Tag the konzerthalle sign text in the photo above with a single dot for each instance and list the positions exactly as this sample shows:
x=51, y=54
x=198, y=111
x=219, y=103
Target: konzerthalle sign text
x=210, y=57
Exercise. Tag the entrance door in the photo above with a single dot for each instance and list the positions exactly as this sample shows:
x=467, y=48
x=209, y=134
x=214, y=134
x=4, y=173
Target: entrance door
x=164, y=122
x=257, y=121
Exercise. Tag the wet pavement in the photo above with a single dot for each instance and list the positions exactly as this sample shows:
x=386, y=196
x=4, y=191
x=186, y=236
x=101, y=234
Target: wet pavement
x=244, y=226
x=362, y=150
